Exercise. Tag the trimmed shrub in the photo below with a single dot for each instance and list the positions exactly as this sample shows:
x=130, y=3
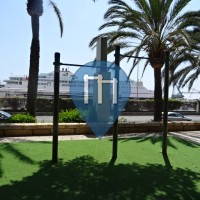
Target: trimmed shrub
x=148, y=105
x=22, y=118
x=174, y=104
x=139, y=105
x=66, y=104
x=44, y=105
x=72, y=115
x=13, y=103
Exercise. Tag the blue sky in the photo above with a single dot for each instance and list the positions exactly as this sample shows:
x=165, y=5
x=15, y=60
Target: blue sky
x=81, y=21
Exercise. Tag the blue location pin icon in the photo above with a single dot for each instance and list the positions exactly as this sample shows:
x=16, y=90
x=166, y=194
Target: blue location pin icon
x=100, y=91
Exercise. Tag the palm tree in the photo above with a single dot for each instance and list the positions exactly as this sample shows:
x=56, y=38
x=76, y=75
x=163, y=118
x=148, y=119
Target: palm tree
x=152, y=28
x=35, y=10
x=187, y=75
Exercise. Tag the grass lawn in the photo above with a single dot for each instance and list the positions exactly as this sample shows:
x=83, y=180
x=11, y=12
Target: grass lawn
x=84, y=170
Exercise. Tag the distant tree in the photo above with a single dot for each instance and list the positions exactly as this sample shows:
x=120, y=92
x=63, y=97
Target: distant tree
x=152, y=28
x=35, y=10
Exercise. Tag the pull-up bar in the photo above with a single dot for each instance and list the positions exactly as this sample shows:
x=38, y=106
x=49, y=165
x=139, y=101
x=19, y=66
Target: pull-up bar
x=57, y=65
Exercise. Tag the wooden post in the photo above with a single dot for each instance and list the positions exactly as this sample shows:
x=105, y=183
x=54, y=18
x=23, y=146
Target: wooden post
x=103, y=111
x=115, y=131
x=101, y=49
x=165, y=115
x=56, y=107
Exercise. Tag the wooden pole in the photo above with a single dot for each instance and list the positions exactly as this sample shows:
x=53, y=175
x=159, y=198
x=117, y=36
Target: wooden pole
x=56, y=107
x=115, y=131
x=165, y=116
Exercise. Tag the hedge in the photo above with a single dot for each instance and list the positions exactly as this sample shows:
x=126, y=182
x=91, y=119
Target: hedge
x=46, y=105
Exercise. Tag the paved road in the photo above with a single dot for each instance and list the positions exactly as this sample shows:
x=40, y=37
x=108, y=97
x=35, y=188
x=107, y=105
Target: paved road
x=145, y=118
x=150, y=117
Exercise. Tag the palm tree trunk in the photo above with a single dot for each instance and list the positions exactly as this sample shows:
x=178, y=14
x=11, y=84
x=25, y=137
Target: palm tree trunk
x=34, y=68
x=157, y=95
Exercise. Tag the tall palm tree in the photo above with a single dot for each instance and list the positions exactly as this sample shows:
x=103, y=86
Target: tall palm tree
x=35, y=10
x=152, y=28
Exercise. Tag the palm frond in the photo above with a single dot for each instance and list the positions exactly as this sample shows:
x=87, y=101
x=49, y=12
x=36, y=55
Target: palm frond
x=177, y=8
x=145, y=66
x=109, y=24
x=58, y=14
x=118, y=2
x=191, y=79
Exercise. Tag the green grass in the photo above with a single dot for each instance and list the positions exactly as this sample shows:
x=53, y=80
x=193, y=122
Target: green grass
x=84, y=170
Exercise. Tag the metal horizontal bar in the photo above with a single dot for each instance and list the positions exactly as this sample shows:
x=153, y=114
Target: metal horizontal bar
x=134, y=57
x=77, y=65
x=74, y=65
x=139, y=57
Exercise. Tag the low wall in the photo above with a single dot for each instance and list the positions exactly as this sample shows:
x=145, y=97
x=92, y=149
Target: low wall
x=39, y=129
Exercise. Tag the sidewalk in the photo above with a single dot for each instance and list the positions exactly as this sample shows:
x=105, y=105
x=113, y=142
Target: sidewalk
x=193, y=136
x=64, y=137
x=43, y=138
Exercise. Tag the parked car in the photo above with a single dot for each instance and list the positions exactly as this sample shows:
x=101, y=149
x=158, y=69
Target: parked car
x=174, y=116
x=4, y=116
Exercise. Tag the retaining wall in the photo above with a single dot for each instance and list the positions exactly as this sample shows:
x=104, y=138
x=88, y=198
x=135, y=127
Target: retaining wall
x=38, y=129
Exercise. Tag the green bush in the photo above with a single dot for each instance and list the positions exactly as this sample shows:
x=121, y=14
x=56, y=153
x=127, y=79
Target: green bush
x=72, y=115
x=22, y=118
x=122, y=120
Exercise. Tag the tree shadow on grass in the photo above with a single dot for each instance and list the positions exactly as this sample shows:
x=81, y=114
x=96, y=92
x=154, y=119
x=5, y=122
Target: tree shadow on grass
x=13, y=150
x=157, y=138
x=9, y=147
x=85, y=178
x=153, y=138
x=186, y=142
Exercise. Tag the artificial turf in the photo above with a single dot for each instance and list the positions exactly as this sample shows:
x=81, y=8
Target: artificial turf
x=85, y=170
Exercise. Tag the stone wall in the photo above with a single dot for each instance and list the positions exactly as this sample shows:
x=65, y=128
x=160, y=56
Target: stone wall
x=39, y=129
